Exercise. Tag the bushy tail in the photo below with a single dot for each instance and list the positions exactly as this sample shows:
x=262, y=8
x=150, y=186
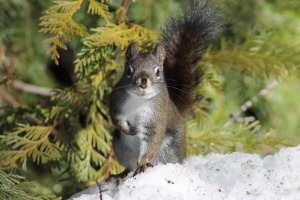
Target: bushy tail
x=185, y=40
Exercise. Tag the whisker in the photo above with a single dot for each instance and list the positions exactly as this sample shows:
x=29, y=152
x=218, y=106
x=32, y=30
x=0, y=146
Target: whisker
x=121, y=100
x=178, y=97
x=114, y=89
x=120, y=87
x=172, y=93
x=178, y=89
x=176, y=83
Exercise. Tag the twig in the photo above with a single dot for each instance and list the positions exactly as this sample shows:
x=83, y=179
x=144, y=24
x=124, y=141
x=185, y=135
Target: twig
x=125, y=5
x=123, y=10
x=100, y=191
x=14, y=103
x=32, y=88
x=8, y=98
x=249, y=103
x=110, y=157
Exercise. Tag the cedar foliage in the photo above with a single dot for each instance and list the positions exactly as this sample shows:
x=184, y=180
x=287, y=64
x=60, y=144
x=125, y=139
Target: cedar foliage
x=75, y=131
x=13, y=187
x=72, y=135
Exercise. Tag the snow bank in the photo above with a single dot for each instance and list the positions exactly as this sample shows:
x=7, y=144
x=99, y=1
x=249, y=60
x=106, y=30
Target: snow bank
x=213, y=177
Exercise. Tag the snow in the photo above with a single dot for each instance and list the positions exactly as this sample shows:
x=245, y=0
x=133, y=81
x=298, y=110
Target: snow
x=212, y=177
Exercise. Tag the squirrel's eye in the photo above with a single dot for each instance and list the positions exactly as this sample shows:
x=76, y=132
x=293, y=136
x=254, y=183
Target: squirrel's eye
x=129, y=71
x=157, y=72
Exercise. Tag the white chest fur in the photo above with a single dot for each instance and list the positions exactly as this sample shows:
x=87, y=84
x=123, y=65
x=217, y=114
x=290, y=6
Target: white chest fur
x=138, y=111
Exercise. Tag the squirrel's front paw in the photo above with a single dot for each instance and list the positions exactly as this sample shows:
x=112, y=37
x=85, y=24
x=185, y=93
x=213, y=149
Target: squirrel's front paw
x=123, y=126
x=118, y=177
x=142, y=168
x=126, y=127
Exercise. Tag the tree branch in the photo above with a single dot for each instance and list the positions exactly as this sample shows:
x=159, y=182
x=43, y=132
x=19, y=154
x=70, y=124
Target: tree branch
x=110, y=157
x=14, y=103
x=123, y=10
x=249, y=103
x=31, y=88
x=100, y=191
x=8, y=98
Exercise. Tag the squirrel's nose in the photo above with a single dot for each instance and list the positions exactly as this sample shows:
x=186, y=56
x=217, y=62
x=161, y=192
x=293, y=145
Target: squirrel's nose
x=143, y=83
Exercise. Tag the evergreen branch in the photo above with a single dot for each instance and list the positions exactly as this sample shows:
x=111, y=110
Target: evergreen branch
x=58, y=20
x=210, y=78
x=56, y=40
x=259, y=55
x=14, y=187
x=240, y=137
x=56, y=112
x=64, y=7
x=31, y=142
x=88, y=155
x=99, y=9
x=249, y=103
x=119, y=35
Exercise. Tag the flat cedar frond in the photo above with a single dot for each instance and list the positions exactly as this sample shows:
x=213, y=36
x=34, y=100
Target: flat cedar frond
x=93, y=139
x=91, y=62
x=98, y=9
x=210, y=78
x=90, y=155
x=58, y=21
x=199, y=113
x=67, y=97
x=64, y=6
x=119, y=35
x=56, y=40
x=237, y=137
x=32, y=142
x=94, y=147
x=56, y=112
x=259, y=55
x=84, y=116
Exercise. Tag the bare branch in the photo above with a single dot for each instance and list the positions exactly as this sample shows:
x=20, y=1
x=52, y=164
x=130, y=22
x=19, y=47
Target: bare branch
x=249, y=103
x=14, y=103
x=8, y=98
x=32, y=88
x=123, y=10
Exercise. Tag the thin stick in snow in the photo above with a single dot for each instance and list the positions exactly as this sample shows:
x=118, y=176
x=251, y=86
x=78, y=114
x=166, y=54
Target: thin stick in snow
x=100, y=191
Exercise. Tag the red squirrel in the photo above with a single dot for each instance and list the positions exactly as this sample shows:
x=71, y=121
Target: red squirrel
x=152, y=100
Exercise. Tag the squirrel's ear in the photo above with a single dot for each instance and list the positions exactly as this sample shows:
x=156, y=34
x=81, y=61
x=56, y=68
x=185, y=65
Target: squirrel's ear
x=159, y=52
x=131, y=51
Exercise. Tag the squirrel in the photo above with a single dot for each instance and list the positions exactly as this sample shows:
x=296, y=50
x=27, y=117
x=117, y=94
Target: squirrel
x=152, y=100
